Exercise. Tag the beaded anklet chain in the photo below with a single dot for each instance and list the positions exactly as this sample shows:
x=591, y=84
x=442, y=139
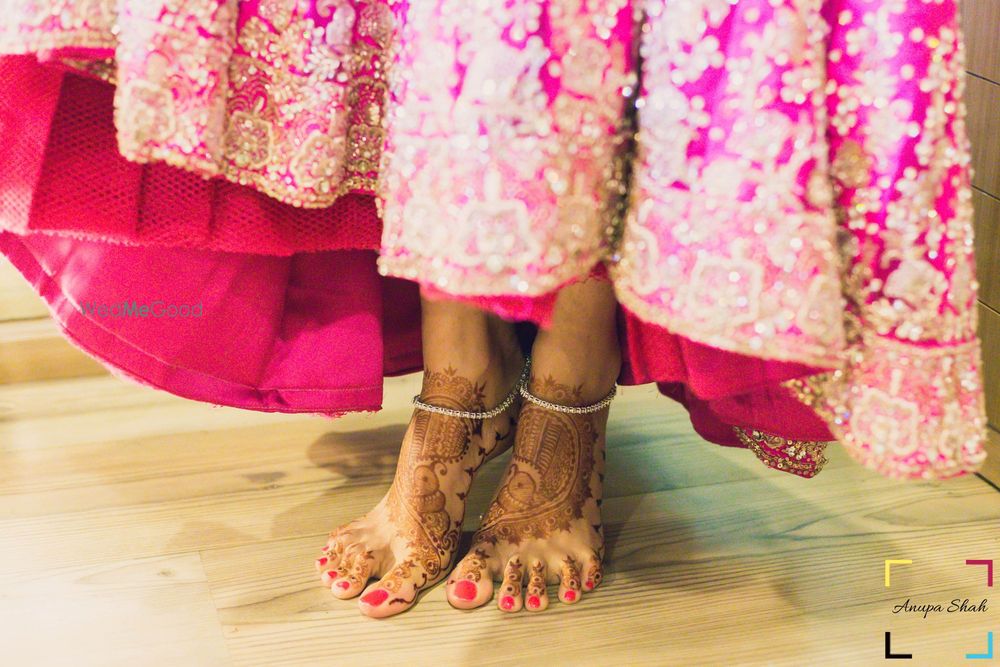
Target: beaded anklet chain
x=571, y=409
x=487, y=414
x=520, y=387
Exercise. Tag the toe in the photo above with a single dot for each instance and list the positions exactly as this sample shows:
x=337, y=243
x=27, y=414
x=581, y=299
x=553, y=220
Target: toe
x=536, y=599
x=329, y=562
x=569, y=581
x=354, y=574
x=470, y=584
x=333, y=540
x=395, y=592
x=593, y=573
x=509, y=598
x=336, y=543
x=328, y=571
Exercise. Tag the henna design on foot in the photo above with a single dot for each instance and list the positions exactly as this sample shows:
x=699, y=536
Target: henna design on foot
x=549, y=495
x=547, y=481
x=414, y=531
x=472, y=566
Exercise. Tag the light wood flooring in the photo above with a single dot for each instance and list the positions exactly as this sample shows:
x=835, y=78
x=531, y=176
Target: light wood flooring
x=137, y=528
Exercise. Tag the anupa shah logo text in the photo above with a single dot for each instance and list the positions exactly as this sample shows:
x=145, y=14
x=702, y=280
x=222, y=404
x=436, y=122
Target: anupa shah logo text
x=960, y=606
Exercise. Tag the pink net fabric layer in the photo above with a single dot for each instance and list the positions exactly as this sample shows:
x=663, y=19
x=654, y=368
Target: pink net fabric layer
x=64, y=173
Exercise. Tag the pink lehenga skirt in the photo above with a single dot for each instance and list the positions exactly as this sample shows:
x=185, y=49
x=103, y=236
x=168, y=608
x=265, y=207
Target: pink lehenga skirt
x=778, y=190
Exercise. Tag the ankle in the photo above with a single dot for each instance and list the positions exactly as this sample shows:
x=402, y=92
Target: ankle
x=477, y=376
x=507, y=359
x=571, y=379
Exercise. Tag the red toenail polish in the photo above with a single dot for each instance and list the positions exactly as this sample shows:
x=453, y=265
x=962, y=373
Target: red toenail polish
x=589, y=584
x=321, y=561
x=376, y=597
x=533, y=601
x=507, y=602
x=465, y=590
x=344, y=584
x=569, y=595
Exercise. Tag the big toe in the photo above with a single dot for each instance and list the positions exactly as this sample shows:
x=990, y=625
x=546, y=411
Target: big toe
x=395, y=592
x=471, y=584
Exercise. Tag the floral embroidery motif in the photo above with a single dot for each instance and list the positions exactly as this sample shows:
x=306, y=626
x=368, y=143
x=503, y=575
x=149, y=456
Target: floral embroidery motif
x=804, y=458
x=539, y=108
x=905, y=411
x=729, y=192
x=908, y=401
x=283, y=96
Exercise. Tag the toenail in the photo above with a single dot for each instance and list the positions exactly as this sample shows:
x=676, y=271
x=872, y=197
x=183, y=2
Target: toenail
x=344, y=584
x=507, y=602
x=570, y=595
x=321, y=561
x=589, y=583
x=533, y=601
x=465, y=590
x=376, y=597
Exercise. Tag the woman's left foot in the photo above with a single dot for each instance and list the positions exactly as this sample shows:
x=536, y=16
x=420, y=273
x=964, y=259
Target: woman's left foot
x=544, y=523
x=409, y=539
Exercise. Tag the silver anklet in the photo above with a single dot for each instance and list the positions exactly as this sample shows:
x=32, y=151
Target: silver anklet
x=488, y=414
x=571, y=409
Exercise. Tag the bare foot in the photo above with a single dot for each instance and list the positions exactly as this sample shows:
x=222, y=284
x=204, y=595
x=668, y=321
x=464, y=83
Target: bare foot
x=409, y=539
x=544, y=524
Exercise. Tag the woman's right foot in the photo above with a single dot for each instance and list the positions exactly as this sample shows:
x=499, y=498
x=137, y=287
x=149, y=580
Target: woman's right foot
x=409, y=539
x=544, y=524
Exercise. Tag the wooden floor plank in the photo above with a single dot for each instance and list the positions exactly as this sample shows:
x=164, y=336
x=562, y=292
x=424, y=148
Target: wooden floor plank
x=35, y=349
x=712, y=558
x=18, y=300
x=155, y=612
x=694, y=577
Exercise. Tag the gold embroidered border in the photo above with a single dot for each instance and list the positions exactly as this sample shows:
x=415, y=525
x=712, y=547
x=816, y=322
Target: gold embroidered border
x=837, y=398
x=364, y=136
x=421, y=268
x=804, y=458
x=102, y=69
x=777, y=348
x=13, y=43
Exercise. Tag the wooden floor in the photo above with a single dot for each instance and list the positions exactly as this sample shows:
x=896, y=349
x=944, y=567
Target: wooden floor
x=137, y=528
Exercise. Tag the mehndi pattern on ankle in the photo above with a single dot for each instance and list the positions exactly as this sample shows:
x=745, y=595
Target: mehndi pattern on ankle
x=485, y=414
